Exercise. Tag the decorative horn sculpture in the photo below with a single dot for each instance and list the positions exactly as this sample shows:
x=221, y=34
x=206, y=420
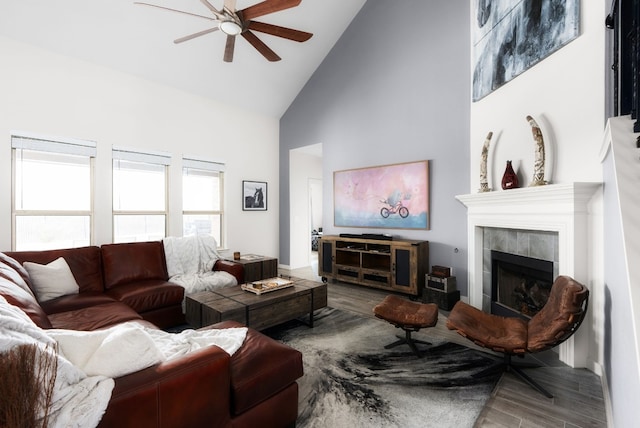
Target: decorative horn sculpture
x=484, y=184
x=538, y=166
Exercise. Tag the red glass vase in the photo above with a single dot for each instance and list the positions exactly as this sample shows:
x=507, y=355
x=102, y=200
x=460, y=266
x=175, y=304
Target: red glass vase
x=510, y=178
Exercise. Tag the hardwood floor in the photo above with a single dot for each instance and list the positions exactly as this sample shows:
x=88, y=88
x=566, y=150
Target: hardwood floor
x=578, y=398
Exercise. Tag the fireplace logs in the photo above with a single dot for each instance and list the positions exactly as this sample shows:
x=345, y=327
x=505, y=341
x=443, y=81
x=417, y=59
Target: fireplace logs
x=520, y=285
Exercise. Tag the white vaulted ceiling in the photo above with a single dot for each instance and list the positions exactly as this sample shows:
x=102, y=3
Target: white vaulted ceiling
x=139, y=40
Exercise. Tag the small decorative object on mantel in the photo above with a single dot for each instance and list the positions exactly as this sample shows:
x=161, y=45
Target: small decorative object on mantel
x=484, y=184
x=538, y=166
x=510, y=178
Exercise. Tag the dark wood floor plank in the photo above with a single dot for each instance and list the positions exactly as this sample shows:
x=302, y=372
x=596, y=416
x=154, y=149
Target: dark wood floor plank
x=566, y=404
x=572, y=394
x=540, y=417
x=495, y=418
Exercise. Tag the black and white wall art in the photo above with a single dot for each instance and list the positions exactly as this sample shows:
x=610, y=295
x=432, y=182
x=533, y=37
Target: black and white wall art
x=254, y=195
x=510, y=36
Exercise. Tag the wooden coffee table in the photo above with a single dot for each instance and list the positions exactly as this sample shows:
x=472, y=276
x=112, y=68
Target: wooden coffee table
x=256, y=311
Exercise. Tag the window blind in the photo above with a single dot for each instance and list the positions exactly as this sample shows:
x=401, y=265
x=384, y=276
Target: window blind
x=59, y=145
x=146, y=156
x=204, y=164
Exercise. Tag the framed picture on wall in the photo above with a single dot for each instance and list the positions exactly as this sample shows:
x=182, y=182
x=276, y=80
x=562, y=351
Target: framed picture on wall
x=511, y=36
x=254, y=195
x=388, y=196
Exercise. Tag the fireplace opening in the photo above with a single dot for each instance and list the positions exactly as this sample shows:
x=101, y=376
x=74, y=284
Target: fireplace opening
x=520, y=285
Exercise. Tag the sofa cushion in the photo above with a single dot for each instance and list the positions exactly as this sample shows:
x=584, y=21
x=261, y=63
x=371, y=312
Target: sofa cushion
x=84, y=262
x=21, y=298
x=165, y=318
x=94, y=317
x=148, y=295
x=75, y=301
x=136, y=261
x=51, y=280
x=260, y=368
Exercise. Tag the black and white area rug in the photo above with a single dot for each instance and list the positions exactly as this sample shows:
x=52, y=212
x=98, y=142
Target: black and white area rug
x=351, y=381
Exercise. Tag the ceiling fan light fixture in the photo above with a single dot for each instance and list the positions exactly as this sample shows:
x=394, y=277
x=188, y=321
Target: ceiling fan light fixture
x=230, y=28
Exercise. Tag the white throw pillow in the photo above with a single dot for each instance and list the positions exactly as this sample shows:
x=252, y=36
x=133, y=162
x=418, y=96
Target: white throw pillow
x=52, y=280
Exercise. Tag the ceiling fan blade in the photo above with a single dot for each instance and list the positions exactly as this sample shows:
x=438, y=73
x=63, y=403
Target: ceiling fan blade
x=230, y=5
x=275, y=30
x=175, y=10
x=216, y=12
x=266, y=7
x=194, y=35
x=260, y=46
x=229, y=48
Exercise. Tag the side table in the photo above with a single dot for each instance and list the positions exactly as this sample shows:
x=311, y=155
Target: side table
x=258, y=267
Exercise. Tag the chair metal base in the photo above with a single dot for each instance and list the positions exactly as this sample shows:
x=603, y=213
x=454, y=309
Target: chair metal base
x=407, y=339
x=516, y=369
x=535, y=385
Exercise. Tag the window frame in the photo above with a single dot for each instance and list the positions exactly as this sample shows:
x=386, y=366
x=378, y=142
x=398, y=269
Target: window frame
x=55, y=145
x=199, y=164
x=143, y=157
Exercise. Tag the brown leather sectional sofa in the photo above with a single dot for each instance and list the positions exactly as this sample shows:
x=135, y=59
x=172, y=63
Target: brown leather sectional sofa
x=128, y=282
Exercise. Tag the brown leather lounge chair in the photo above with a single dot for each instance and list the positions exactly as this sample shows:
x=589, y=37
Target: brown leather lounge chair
x=556, y=322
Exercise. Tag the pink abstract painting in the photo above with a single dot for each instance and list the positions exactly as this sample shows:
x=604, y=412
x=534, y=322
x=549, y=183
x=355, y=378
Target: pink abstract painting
x=388, y=196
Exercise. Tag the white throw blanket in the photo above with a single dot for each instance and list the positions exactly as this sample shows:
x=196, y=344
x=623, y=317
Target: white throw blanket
x=88, y=359
x=190, y=261
x=129, y=347
x=174, y=345
x=78, y=400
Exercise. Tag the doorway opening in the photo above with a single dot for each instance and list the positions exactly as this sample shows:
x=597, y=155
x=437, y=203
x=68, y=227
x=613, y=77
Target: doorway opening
x=305, y=196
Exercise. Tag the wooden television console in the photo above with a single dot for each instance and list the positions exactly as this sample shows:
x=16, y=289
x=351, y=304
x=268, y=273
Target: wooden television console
x=394, y=265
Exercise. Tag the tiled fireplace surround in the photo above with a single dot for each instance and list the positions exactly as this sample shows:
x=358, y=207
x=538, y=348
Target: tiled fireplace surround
x=547, y=222
x=530, y=243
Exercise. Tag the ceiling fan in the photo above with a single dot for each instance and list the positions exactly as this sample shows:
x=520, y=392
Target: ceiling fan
x=234, y=22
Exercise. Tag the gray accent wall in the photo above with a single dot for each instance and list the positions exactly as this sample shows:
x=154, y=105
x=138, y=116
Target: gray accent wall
x=395, y=88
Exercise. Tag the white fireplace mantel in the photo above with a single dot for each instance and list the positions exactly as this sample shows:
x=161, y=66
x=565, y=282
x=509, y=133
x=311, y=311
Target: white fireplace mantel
x=561, y=208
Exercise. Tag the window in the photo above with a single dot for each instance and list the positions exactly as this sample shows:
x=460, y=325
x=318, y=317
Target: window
x=139, y=195
x=52, y=193
x=202, y=198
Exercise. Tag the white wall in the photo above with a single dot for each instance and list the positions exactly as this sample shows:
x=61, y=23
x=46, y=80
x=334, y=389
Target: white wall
x=315, y=201
x=302, y=167
x=565, y=93
x=53, y=95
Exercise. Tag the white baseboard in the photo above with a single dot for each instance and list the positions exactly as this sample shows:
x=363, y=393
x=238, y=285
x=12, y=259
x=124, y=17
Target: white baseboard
x=608, y=408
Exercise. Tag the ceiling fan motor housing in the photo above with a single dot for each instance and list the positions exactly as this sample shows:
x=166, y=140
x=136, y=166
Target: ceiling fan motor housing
x=230, y=28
